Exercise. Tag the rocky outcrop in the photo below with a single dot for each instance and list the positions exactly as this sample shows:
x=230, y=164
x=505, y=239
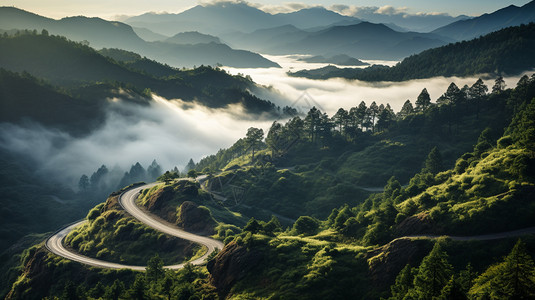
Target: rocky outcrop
x=230, y=265
x=414, y=225
x=158, y=203
x=165, y=201
x=387, y=261
x=35, y=275
x=196, y=219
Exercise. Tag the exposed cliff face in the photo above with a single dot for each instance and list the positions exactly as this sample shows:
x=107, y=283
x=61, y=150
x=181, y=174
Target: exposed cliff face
x=158, y=203
x=230, y=265
x=413, y=225
x=35, y=275
x=165, y=201
x=387, y=261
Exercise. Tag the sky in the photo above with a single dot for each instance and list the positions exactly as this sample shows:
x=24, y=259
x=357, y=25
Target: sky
x=109, y=9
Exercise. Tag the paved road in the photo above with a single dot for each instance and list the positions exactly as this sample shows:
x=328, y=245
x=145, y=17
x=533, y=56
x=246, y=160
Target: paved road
x=483, y=237
x=127, y=200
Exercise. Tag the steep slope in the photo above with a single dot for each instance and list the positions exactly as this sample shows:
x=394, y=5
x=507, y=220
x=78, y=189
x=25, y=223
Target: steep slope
x=505, y=17
x=100, y=33
x=24, y=98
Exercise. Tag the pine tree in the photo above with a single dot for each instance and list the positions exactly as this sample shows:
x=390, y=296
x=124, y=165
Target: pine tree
x=423, y=101
x=499, y=85
x=514, y=278
x=406, y=110
x=154, y=271
x=253, y=137
x=138, y=290
x=190, y=165
x=373, y=111
x=252, y=226
x=340, y=119
x=115, y=291
x=402, y=284
x=518, y=277
x=433, y=274
x=452, y=291
x=433, y=163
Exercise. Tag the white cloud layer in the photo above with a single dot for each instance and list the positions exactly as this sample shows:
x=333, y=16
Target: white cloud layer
x=165, y=131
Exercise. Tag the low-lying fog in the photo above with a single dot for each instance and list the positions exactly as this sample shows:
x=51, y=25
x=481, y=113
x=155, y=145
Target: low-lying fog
x=172, y=134
x=164, y=131
x=334, y=93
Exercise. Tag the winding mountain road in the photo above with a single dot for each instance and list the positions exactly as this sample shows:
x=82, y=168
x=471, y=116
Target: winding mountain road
x=128, y=201
x=482, y=237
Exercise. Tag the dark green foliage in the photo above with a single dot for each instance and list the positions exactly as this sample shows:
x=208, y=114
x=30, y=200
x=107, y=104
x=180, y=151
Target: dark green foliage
x=403, y=283
x=168, y=177
x=272, y=226
x=40, y=55
x=155, y=271
x=116, y=291
x=433, y=163
x=431, y=279
x=23, y=96
x=423, y=101
x=138, y=291
x=522, y=128
x=254, y=137
x=514, y=278
x=111, y=235
x=306, y=225
x=252, y=226
x=452, y=290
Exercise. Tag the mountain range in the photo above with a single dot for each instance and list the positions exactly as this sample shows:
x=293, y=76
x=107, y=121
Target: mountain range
x=363, y=40
x=199, y=35
x=84, y=73
x=229, y=17
x=509, y=16
x=507, y=51
x=421, y=22
x=101, y=33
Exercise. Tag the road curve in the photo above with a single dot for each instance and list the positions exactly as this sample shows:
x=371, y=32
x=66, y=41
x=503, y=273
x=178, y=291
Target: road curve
x=482, y=237
x=127, y=200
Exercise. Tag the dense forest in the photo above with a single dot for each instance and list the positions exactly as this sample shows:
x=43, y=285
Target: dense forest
x=349, y=241
x=507, y=51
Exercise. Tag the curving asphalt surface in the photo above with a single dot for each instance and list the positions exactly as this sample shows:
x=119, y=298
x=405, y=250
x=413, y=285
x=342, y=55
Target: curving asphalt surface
x=482, y=237
x=128, y=201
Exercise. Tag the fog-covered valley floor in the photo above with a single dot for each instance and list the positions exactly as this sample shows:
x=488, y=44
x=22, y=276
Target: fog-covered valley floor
x=172, y=133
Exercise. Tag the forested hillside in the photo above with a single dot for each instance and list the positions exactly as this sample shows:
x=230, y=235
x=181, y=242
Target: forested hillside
x=74, y=65
x=359, y=247
x=507, y=51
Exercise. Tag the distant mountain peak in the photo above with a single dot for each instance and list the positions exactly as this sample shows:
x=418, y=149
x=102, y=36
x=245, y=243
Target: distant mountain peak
x=511, y=15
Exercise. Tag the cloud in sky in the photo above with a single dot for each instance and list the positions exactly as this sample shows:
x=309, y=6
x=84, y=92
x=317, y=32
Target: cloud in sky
x=109, y=9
